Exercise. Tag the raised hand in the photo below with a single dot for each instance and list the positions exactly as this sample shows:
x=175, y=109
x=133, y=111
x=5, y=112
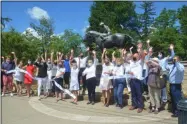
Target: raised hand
x=94, y=52
x=88, y=49
x=104, y=50
x=148, y=41
x=72, y=50
x=171, y=47
x=13, y=53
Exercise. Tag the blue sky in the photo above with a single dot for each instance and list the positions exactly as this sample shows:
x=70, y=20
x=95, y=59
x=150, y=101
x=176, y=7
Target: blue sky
x=66, y=15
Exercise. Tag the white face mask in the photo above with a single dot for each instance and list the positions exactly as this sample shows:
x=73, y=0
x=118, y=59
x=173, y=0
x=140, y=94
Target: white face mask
x=74, y=66
x=89, y=64
x=29, y=62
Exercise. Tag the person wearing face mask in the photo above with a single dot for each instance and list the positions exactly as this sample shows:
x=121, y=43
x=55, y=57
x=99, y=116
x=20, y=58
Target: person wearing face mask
x=18, y=76
x=59, y=79
x=42, y=75
x=30, y=68
x=127, y=59
x=81, y=61
x=91, y=78
x=7, y=78
x=176, y=77
x=49, y=74
x=68, y=70
x=105, y=83
x=163, y=62
x=53, y=72
x=74, y=83
x=135, y=70
x=118, y=82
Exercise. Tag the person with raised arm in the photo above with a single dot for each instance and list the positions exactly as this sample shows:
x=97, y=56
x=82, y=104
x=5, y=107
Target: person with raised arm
x=163, y=62
x=81, y=61
x=59, y=77
x=153, y=84
x=49, y=72
x=74, y=83
x=28, y=80
x=119, y=81
x=67, y=59
x=135, y=70
x=7, y=78
x=18, y=76
x=105, y=82
x=91, y=78
x=176, y=77
x=53, y=71
x=42, y=75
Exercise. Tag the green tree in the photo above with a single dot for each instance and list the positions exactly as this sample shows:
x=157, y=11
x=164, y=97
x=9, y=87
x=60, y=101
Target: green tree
x=146, y=18
x=114, y=14
x=45, y=30
x=64, y=43
x=182, y=16
x=166, y=33
x=3, y=21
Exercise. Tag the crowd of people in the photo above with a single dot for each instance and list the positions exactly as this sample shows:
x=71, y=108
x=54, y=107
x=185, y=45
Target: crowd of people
x=139, y=72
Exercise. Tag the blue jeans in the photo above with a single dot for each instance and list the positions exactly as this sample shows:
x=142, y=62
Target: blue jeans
x=119, y=85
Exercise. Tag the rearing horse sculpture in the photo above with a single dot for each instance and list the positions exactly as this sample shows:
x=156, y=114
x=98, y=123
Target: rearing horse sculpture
x=108, y=40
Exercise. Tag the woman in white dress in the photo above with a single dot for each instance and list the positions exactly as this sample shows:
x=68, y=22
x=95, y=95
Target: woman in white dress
x=74, y=83
x=105, y=82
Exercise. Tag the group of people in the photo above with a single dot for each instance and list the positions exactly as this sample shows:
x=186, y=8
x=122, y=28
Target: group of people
x=138, y=72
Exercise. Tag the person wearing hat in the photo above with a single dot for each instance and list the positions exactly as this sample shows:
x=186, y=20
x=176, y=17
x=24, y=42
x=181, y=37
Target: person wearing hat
x=154, y=90
x=91, y=78
x=176, y=77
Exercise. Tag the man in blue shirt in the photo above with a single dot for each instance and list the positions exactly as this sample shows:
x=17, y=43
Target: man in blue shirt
x=176, y=76
x=7, y=78
x=163, y=62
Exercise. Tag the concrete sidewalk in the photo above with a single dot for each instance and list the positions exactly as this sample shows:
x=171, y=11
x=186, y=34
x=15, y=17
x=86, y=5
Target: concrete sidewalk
x=23, y=110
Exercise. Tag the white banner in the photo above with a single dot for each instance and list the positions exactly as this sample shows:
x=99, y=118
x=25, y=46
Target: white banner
x=35, y=78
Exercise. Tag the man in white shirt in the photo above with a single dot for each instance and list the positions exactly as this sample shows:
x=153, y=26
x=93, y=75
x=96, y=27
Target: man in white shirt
x=135, y=70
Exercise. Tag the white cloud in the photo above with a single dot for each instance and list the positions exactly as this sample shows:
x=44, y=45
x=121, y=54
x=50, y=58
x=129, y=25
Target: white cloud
x=37, y=13
x=86, y=25
x=32, y=32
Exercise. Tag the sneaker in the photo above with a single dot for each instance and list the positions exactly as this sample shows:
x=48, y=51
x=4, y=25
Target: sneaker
x=3, y=94
x=132, y=108
x=93, y=103
x=11, y=94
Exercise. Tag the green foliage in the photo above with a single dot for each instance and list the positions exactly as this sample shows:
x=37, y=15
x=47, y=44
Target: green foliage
x=24, y=49
x=146, y=18
x=114, y=14
x=3, y=21
x=45, y=30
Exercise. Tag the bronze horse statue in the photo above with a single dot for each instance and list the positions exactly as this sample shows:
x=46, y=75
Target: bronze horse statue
x=110, y=41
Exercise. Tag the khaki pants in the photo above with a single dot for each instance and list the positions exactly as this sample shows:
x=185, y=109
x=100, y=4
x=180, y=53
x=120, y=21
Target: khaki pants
x=155, y=95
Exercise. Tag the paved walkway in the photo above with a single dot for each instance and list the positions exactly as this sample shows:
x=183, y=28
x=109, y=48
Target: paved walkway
x=23, y=110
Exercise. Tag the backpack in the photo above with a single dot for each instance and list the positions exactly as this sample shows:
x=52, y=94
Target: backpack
x=157, y=78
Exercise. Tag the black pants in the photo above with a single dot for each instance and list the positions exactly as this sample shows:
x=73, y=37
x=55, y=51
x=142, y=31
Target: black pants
x=83, y=78
x=53, y=85
x=176, y=96
x=66, y=77
x=91, y=84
